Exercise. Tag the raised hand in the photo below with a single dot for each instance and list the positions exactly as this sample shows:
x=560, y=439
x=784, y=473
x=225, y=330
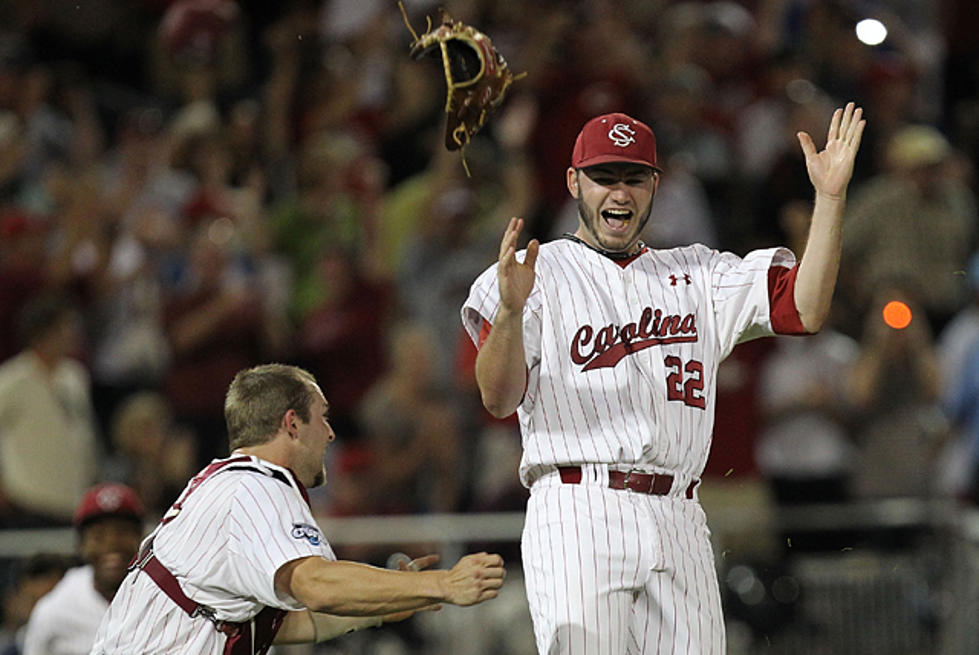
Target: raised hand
x=830, y=169
x=516, y=279
x=473, y=579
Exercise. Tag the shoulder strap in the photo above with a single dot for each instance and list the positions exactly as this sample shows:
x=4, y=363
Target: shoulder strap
x=253, y=637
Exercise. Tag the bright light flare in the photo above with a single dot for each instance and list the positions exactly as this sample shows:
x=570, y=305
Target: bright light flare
x=871, y=31
x=897, y=315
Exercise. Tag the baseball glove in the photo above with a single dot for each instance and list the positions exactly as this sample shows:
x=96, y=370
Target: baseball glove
x=476, y=75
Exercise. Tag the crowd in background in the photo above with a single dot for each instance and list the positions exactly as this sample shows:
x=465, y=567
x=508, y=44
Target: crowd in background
x=191, y=187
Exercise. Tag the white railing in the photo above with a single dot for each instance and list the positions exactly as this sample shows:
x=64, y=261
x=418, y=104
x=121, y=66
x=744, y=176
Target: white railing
x=954, y=528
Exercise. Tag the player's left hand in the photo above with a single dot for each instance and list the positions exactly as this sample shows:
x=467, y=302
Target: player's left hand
x=830, y=169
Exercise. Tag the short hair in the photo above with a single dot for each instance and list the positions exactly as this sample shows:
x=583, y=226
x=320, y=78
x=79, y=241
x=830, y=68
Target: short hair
x=137, y=412
x=40, y=315
x=258, y=397
x=40, y=565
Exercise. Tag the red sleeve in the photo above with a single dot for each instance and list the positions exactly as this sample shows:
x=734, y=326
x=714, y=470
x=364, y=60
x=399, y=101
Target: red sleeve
x=781, y=301
x=484, y=331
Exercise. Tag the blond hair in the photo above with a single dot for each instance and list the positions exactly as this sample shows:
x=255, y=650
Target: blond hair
x=258, y=397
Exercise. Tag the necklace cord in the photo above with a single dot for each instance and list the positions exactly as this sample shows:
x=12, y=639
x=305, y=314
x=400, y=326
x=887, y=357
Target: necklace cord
x=608, y=253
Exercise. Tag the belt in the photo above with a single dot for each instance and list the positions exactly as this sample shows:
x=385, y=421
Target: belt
x=654, y=484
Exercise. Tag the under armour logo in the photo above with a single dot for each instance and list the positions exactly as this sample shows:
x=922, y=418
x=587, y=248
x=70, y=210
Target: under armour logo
x=622, y=135
x=674, y=279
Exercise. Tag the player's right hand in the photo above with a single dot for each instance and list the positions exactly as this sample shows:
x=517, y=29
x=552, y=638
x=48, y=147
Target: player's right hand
x=473, y=579
x=516, y=278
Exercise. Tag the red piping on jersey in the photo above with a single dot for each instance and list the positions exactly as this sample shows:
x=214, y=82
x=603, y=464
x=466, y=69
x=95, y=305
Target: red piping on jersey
x=484, y=331
x=783, y=312
x=631, y=258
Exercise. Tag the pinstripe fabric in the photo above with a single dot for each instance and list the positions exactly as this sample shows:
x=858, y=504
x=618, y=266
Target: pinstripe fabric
x=622, y=363
x=224, y=546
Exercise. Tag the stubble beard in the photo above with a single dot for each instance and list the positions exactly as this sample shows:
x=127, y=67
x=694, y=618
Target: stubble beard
x=590, y=222
x=320, y=478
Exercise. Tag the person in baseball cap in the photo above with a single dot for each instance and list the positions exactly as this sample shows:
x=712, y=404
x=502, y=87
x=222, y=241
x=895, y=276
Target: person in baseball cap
x=608, y=352
x=614, y=138
x=610, y=149
x=109, y=521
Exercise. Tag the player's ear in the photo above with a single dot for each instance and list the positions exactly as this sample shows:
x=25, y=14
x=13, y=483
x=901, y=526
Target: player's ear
x=572, y=176
x=656, y=177
x=290, y=422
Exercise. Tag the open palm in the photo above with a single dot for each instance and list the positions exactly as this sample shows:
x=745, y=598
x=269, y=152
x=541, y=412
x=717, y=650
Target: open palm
x=830, y=169
x=516, y=279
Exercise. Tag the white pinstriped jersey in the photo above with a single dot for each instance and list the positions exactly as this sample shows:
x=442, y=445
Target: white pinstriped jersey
x=64, y=621
x=622, y=360
x=224, y=546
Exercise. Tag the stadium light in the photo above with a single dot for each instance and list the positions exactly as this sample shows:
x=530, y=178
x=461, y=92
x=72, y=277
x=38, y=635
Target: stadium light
x=871, y=31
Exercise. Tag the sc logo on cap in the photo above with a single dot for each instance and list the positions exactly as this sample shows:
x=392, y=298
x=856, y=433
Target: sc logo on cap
x=622, y=135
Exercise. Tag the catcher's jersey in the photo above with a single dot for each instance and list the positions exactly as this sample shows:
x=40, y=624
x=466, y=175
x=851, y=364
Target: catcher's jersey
x=224, y=545
x=622, y=358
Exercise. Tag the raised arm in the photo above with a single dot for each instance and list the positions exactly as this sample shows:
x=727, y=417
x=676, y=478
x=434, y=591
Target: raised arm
x=830, y=171
x=501, y=369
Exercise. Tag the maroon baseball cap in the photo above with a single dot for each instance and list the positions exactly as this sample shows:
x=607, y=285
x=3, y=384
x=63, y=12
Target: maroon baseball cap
x=108, y=499
x=614, y=138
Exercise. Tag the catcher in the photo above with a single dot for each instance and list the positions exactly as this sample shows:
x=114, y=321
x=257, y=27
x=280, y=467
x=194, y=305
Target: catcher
x=476, y=75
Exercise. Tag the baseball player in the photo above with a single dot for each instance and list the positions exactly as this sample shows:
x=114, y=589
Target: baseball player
x=238, y=561
x=608, y=351
x=109, y=521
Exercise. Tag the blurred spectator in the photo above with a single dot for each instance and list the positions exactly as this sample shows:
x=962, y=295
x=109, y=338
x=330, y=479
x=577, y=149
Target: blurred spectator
x=334, y=208
x=914, y=220
x=785, y=180
x=341, y=340
x=22, y=271
x=895, y=385
x=152, y=454
x=761, y=130
x=960, y=335
x=109, y=522
x=49, y=451
x=581, y=63
x=685, y=130
x=33, y=577
x=130, y=350
x=957, y=352
x=806, y=448
x=962, y=408
x=412, y=430
x=216, y=325
x=197, y=51
x=450, y=222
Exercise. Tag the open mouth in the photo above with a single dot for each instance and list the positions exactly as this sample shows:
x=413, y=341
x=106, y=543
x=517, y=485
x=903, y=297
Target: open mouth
x=617, y=219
